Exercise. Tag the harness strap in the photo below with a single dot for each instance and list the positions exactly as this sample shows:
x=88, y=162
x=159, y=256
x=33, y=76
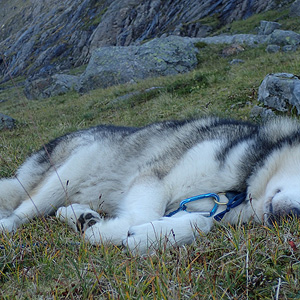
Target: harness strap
x=235, y=199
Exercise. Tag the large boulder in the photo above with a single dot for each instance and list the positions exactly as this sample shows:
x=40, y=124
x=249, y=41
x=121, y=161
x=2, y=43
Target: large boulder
x=37, y=89
x=49, y=86
x=63, y=83
x=284, y=37
x=280, y=91
x=159, y=57
x=267, y=27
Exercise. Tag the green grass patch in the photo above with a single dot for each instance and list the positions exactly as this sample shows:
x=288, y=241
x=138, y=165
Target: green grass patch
x=45, y=259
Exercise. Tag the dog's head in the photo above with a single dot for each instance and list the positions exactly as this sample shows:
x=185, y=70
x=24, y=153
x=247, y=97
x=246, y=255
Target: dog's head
x=276, y=188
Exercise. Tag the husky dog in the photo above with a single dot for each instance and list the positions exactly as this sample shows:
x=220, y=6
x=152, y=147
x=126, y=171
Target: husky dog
x=138, y=176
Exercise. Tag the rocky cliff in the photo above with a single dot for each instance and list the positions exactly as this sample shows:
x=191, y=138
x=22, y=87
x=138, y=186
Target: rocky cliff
x=39, y=37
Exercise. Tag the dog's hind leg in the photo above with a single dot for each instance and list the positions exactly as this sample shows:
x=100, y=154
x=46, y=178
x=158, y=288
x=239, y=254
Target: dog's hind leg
x=11, y=194
x=43, y=201
x=48, y=195
x=16, y=189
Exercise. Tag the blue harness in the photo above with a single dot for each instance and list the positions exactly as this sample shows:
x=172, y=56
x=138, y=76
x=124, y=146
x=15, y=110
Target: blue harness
x=234, y=199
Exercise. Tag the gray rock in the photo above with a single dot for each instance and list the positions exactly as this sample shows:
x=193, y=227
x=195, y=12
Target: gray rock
x=284, y=37
x=49, y=86
x=246, y=39
x=6, y=122
x=295, y=9
x=273, y=48
x=256, y=111
x=267, y=114
x=289, y=48
x=159, y=57
x=63, y=83
x=262, y=113
x=280, y=91
x=267, y=27
x=37, y=89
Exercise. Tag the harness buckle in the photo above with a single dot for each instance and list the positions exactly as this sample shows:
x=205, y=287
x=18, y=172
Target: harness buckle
x=183, y=207
x=219, y=202
x=234, y=199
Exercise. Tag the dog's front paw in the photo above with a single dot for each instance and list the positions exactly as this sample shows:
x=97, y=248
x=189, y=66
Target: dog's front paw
x=79, y=217
x=166, y=232
x=142, y=239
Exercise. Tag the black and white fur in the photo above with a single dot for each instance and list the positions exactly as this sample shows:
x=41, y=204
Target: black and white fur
x=137, y=175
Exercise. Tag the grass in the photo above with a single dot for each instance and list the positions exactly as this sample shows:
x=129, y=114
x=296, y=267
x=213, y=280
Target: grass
x=252, y=23
x=251, y=262
x=45, y=260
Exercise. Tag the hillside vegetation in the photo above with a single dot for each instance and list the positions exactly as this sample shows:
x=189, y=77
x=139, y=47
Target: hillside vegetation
x=45, y=260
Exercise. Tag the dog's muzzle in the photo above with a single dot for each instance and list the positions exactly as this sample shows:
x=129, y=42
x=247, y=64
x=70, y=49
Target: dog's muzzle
x=277, y=213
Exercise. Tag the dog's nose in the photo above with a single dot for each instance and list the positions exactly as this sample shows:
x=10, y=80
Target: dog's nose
x=284, y=213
